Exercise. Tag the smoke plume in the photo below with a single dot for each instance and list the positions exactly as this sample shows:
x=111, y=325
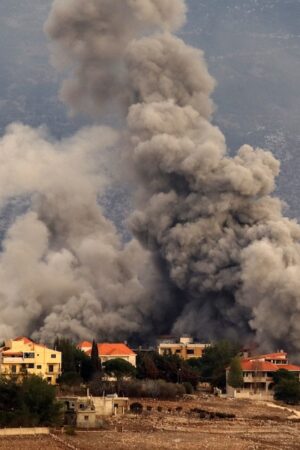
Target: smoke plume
x=63, y=268
x=218, y=258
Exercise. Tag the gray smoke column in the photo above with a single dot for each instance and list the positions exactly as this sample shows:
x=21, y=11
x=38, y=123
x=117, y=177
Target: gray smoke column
x=209, y=218
x=63, y=268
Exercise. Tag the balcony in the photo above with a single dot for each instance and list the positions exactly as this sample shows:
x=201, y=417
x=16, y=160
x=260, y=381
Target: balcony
x=257, y=379
x=12, y=360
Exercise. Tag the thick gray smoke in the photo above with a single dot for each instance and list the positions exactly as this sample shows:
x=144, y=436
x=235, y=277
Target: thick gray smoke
x=210, y=218
x=63, y=269
x=208, y=221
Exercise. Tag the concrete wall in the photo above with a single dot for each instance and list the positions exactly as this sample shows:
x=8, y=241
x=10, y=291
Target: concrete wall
x=107, y=406
x=23, y=431
x=246, y=393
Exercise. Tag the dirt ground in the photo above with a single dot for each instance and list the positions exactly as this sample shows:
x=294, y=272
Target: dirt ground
x=175, y=426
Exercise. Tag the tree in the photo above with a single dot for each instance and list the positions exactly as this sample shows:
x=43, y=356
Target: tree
x=40, y=401
x=76, y=365
x=283, y=374
x=96, y=363
x=119, y=368
x=214, y=361
x=67, y=348
x=288, y=391
x=146, y=367
x=235, y=375
x=30, y=402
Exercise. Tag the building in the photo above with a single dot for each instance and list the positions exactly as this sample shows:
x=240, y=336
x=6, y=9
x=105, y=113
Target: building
x=88, y=412
x=22, y=356
x=258, y=375
x=186, y=347
x=109, y=351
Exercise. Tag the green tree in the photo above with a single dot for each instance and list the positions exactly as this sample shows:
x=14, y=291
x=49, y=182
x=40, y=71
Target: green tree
x=76, y=365
x=146, y=367
x=214, y=361
x=40, y=401
x=235, y=375
x=288, y=391
x=68, y=349
x=96, y=363
x=283, y=374
x=170, y=368
x=30, y=402
x=119, y=368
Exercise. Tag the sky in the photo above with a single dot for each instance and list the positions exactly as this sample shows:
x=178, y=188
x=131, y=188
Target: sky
x=252, y=48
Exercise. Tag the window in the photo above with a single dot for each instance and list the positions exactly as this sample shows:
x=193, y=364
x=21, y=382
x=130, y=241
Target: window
x=190, y=352
x=28, y=355
x=14, y=369
x=178, y=351
x=53, y=355
x=86, y=417
x=51, y=368
x=38, y=366
x=30, y=366
x=49, y=379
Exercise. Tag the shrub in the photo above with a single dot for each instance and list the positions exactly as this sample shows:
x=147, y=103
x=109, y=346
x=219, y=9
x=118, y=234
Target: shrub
x=288, y=391
x=151, y=389
x=28, y=403
x=70, y=431
x=188, y=387
x=136, y=408
x=70, y=379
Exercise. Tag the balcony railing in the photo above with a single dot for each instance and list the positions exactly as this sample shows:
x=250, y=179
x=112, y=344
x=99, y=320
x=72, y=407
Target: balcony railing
x=12, y=360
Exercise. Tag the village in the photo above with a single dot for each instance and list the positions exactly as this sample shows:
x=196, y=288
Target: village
x=159, y=397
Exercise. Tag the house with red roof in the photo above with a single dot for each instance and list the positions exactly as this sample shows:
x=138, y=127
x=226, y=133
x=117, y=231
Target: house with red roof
x=109, y=351
x=258, y=374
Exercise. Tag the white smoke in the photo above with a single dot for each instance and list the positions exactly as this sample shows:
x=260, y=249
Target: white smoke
x=209, y=221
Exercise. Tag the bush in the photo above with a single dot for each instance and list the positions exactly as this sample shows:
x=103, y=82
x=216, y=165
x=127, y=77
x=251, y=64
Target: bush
x=70, y=379
x=28, y=403
x=151, y=389
x=188, y=387
x=288, y=391
x=70, y=431
x=136, y=408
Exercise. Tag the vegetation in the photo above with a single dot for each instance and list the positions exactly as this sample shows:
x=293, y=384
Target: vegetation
x=288, y=391
x=170, y=368
x=283, y=374
x=95, y=360
x=153, y=389
x=28, y=403
x=212, y=366
x=77, y=366
x=287, y=387
x=235, y=375
x=119, y=368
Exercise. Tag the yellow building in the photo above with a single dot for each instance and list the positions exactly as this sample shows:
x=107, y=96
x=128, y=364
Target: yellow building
x=186, y=347
x=22, y=356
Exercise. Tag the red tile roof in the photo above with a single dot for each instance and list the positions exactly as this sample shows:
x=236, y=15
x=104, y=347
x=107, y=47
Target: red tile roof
x=107, y=349
x=290, y=367
x=265, y=366
x=24, y=339
x=114, y=349
x=84, y=344
x=261, y=366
